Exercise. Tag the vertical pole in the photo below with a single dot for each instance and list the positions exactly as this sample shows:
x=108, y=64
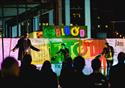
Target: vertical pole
x=2, y=31
x=88, y=17
x=51, y=17
x=67, y=12
x=17, y=20
x=60, y=11
x=56, y=13
x=26, y=18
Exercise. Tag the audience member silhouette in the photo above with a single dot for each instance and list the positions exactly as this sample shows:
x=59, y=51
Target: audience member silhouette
x=10, y=73
x=117, y=72
x=26, y=63
x=48, y=77
x=29, y=73
x=97, y=79
x=65, y=78
x=79, y=78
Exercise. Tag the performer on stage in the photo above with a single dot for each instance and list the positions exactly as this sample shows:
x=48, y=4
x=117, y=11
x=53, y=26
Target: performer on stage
x=64, y=51
x=24, y=45
x=109, y=53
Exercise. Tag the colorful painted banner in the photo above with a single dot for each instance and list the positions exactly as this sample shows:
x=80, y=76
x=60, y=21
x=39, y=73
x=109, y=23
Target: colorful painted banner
x=64, y=32
x=88, y=48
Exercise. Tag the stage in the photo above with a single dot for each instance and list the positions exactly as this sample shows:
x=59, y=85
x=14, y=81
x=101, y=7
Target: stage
x=87, y=48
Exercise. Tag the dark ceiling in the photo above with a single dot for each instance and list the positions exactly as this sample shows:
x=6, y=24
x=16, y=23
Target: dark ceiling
x=19, y=1
x=116, y=6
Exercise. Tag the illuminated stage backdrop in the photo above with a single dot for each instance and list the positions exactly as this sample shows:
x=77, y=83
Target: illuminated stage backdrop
x=49, y=47
x=88, y=48
x=0, y=50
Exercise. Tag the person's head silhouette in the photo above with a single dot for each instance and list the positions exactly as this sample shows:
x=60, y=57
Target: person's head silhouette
x=96, y=64
x=121, y=57
x=79, y=63
x=63, y=45
x=10, y=67
x=26, y=35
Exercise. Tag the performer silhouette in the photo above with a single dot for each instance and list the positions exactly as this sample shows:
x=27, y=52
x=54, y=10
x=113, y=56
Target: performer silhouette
x=24, y=45
x=109, y=53
x=64, y=51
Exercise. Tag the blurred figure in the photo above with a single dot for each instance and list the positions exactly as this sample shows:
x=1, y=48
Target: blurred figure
x=66, y=75
x=24, y=45
x=48, y=77
x=10, y=73
x=9, y=67
x=109, y=53
x=29, y=74
x=97, y=79
x=117, y=72
x=79, y=78
x=26, y=64
x=64, y=52
x=102, y=58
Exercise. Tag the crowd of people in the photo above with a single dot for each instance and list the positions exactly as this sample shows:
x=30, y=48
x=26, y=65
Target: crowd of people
x=28, y=76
